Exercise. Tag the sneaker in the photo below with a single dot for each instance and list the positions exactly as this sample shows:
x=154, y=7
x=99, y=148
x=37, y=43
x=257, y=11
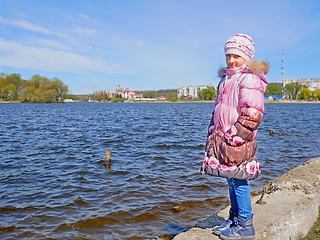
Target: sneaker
x=218, y=229
x=242, y=228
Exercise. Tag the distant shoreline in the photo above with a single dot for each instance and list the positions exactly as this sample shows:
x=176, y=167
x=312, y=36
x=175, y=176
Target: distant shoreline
x=189, y=101
x=290, y=101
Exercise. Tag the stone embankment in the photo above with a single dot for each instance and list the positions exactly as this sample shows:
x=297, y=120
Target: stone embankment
x=288, y=209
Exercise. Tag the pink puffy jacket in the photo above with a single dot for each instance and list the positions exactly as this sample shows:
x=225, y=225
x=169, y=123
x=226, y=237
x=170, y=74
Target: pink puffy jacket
x=239, y=106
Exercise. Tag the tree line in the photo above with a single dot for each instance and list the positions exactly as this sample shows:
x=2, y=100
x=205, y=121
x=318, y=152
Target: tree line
x=38, y=89
x=291, y=91
x=294, y=91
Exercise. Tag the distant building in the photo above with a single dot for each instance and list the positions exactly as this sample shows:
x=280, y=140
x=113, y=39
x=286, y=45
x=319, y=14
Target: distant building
x=273, y=97
x=162, y=98
x=110, y=95
x=138, y=96
x=68, y=100
x=191, y=91
x=119, y=90
x=311, y=83
x=129, y=94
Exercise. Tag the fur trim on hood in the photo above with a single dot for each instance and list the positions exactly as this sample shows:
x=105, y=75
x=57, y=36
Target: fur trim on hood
x=255, y=67
x=222, y=72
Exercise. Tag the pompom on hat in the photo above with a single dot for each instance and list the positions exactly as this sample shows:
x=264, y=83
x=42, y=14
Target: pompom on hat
x=240, y=44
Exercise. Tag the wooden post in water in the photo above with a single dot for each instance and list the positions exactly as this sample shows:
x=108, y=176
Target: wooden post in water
x=107, y=159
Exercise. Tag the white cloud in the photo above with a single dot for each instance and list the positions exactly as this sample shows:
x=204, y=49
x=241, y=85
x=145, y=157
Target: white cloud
x=16, y=55
x=28, y=26
x=85, y=31
x=31, y=27
x=66, y=39
x=81, y=17
x=47, y=43
x=36, y=28
x=86, y=17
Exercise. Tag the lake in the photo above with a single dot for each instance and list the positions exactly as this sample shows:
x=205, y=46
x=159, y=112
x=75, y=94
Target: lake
x=54, y=184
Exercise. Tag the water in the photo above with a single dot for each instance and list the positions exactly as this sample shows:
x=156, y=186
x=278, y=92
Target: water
x=54, y=184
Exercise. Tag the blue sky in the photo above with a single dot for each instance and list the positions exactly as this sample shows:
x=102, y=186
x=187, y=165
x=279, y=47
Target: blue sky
x=96, y=45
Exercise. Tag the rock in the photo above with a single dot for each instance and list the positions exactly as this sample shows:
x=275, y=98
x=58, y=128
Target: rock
x=197, y=234
x=291, y=208
x=178, y=208
x=210, y=222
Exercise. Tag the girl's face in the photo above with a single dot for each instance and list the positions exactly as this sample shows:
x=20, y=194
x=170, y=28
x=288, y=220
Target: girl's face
x=234, y=61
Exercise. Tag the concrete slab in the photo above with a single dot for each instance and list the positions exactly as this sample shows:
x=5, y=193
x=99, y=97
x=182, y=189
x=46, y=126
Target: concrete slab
x=289, y=206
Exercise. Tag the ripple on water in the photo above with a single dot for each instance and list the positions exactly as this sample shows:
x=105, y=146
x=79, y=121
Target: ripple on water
x=55, y=184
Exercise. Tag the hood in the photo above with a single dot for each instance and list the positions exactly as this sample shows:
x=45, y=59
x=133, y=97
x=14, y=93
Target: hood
x=254, y=66
x=257, y=66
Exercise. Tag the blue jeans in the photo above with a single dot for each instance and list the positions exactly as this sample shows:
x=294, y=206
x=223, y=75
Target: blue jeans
x=240, y=197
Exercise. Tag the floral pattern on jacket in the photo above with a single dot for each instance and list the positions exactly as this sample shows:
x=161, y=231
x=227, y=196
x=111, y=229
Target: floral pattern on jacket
x=239, y=106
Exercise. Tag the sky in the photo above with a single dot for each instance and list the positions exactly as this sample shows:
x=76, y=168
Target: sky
x=94, y=45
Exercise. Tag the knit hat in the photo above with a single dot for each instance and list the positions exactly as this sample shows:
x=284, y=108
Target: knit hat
x=241, y=45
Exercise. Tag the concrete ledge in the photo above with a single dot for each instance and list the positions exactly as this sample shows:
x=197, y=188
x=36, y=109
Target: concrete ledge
x=289, y=206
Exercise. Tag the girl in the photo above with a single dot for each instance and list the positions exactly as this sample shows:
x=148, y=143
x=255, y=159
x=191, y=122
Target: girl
x=231, y=145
